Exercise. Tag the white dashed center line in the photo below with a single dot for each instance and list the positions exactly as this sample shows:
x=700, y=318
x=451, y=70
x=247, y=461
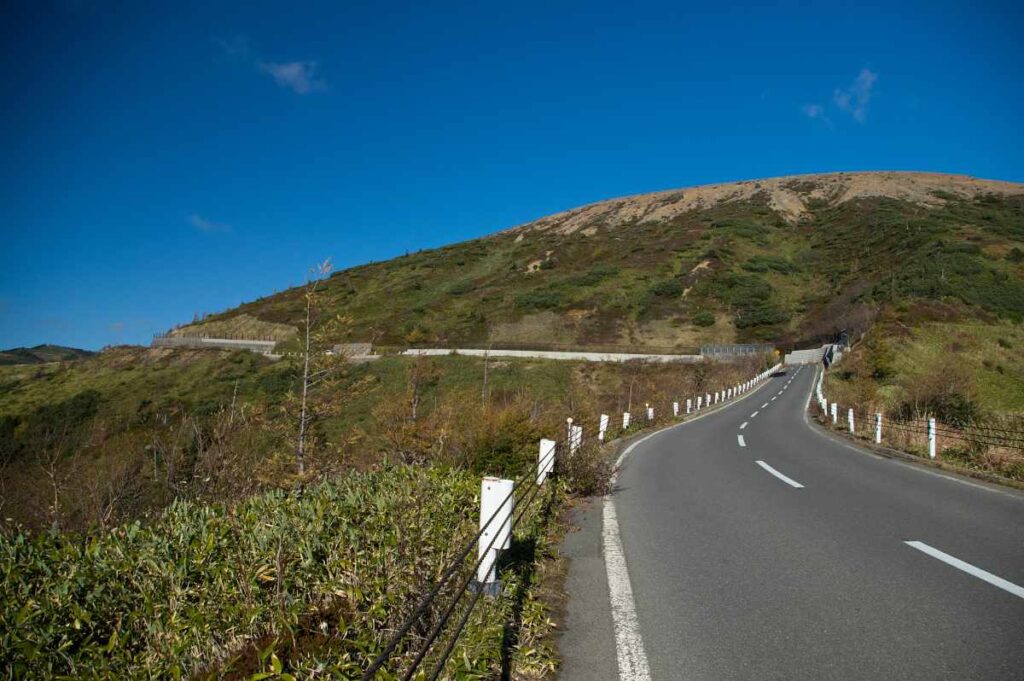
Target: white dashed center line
x=789, y=481
x=754, y=415
x=743, y=425
x=968, y=568
x=764, y=405
x=743, y=443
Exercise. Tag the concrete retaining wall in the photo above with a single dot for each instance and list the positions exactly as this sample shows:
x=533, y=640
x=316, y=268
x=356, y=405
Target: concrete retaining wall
x=547, y=354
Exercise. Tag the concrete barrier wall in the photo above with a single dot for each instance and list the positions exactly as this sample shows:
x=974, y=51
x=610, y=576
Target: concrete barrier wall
x=262, y=347
x=547, y=354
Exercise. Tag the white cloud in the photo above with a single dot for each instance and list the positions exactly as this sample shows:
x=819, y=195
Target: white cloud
x=236, y=47
x=814, y=111
x=854, y=100
x=298, y=76
x=208, y=226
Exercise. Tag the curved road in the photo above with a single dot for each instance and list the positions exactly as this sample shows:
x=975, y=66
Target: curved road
x=759, y=547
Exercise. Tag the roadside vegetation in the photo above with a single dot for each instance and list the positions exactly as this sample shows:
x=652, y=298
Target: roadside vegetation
x=156, y=522
x=966, y=375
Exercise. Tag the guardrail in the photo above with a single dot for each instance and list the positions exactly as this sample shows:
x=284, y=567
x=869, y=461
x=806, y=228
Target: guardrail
x=914, y=429
x=503, y=504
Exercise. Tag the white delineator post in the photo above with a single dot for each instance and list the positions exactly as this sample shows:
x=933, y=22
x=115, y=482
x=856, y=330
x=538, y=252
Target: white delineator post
x=707, y=399
x=878, y=428
x=689, y=404
x=835, y=413
x=602, y=427
x=849, y=418
x=931, y=438
x=545, y=460
x=625, y=420
x=575, y=438
x=495, y=500
x=699, y=400
x=675, y=409
x=650, y=413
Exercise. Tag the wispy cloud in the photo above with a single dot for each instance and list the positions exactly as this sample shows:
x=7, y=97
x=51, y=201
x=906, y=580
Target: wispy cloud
x=117, y=327
x=300, y=76
x=855, y=99
x=814, y=111
x=208, y=226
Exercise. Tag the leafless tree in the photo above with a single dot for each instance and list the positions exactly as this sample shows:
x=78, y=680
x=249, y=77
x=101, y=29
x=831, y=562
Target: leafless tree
x=50, y=460
x=318, y=364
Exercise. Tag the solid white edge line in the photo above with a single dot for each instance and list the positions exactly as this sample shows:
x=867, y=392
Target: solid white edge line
x=780, y=476
x=629, y=644
x=905, y=464
x=739, y=439
x=1009, y=587
x=743, y=425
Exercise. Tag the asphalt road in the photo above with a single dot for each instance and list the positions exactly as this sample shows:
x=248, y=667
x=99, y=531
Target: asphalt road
x=797, y=567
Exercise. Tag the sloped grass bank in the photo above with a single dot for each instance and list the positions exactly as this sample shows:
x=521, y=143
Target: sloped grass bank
x=283, y=583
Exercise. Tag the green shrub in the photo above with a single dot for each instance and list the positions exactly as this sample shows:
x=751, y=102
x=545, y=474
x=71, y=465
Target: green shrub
x=461, y=287
x=765, y=263
x=539, y=300
x=595, y=275
x=667, y=288
x=704, y=318
x=201, y=582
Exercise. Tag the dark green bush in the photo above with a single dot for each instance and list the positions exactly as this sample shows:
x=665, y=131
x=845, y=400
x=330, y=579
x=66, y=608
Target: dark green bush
x=704, y=318
x=539, y=300
x=667, y=287
x=765, y=263
x=596, y=275
x=461, y=287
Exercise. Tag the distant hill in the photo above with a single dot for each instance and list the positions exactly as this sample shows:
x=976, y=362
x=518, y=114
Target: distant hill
x=788, y=260
x=41, y=354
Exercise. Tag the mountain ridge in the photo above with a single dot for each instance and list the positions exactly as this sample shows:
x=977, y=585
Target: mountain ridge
x=788, y=260
x=42, y=354
x=786, y=192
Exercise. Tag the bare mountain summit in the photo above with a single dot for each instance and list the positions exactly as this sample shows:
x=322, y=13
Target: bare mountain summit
x=790, y=197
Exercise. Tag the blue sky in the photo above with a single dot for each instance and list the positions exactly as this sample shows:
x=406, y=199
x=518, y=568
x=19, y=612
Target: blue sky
x=163, y=159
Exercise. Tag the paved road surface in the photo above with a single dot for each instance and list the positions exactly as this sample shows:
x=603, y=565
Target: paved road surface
x=758, y=547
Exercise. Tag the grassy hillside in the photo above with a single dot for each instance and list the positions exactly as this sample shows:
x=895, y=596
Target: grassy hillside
x=739, y=268
x=122, y=434
x=41, y=354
